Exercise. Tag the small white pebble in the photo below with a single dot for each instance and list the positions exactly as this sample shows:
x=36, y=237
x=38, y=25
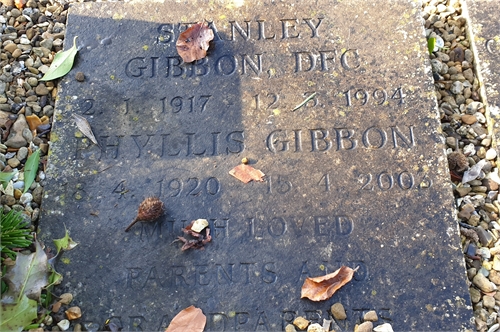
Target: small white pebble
x=386, y=327
x=491, y=154
x=26, y=198
x=64, y=324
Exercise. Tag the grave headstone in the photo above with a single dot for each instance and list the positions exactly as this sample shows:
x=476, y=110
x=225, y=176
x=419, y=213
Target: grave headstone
x=356, y=176
x=484, y=34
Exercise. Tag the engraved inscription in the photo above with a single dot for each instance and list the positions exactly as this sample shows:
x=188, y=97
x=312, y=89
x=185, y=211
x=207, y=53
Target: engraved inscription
x=166, y=145
x=337, y=139
x=306, y=61
x=385, y=181
x=210, y=274
x=325, y=227
x=190, y=187
x=493, y=46
x=261, y=30
x=361, y=97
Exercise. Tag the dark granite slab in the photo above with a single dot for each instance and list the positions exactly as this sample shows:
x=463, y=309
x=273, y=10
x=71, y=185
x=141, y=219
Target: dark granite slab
x=484, y=33
x=356, y=177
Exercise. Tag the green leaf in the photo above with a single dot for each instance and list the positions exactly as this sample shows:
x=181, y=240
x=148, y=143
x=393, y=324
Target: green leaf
x=30, y=169
x=62, y=63
x=27, y=277
x=16, y=316
x=430, y=44
x=5, y=178
x=66, y=243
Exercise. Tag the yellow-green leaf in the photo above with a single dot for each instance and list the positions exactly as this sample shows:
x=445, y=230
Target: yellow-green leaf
x=30, y=169
x=16, y=316
x=62, y=63
x=430, y=44
x=5, y=178
x=65, y=243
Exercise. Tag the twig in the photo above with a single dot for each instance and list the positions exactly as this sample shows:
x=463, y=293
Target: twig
x=304, y=102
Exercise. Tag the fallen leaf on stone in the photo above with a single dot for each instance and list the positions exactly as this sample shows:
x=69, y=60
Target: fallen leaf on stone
x=198, y=239
x=84, y=127
x=62, y=63
x=322, y=288
x=190, y=319
x=194, y=42
x=246, y=173
x=65, y=243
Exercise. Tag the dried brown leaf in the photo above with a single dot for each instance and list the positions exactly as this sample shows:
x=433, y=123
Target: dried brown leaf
x=194, y=42
x=84, y=126
x=322, y=288
x=246, y=173
x=190, y=319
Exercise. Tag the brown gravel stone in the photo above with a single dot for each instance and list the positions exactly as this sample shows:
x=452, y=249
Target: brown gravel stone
x=469, y=119
x=13, y=162
x=301, y=322
x=41, y=90
x=8, y=200
x=466, y=211
x=483, y=283
x=490, y=184
x=370, y=316
x=17, y=53
x=80, y=77
x=338, y=311
x=365, y=327
x=10, y=47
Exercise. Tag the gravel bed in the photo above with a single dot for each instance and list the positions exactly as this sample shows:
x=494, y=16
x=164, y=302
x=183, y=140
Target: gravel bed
x=31, y=36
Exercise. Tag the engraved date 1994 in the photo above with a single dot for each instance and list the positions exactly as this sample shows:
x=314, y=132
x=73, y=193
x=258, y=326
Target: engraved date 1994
x=347, y=98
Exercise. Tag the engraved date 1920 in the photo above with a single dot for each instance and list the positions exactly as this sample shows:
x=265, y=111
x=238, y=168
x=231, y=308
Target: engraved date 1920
x=188, y=187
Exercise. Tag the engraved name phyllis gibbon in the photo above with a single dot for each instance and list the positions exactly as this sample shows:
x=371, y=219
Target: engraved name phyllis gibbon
x=215, y=143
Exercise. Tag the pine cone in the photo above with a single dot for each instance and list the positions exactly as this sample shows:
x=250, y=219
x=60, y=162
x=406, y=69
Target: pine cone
x=150, y=209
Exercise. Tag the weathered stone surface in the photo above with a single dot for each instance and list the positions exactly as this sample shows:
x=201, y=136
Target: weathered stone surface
x=485, y=28
x=348, y=180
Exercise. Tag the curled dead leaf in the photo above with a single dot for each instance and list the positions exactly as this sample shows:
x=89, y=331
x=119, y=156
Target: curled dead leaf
x=197, y=240
x=194, y=42
x=84, y=126
x=246, y=173
x=190, y=319
x=322, y=288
